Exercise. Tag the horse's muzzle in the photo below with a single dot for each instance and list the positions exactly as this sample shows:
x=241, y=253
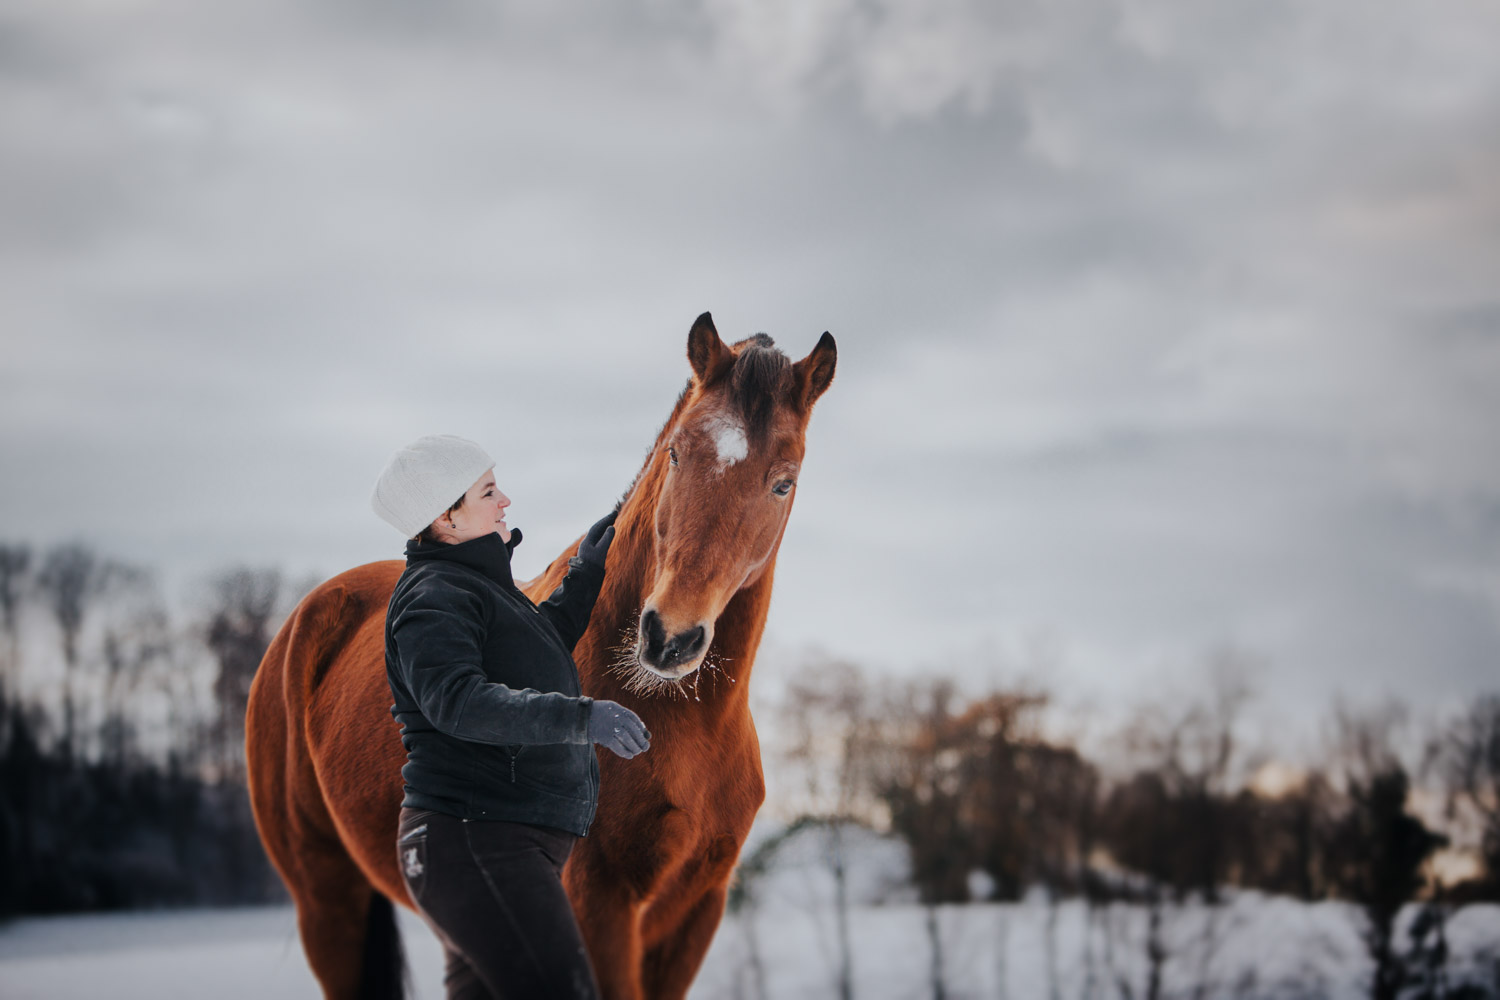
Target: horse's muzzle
x=665, y=654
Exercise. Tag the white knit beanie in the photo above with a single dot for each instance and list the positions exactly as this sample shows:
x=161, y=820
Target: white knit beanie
x=423, y=479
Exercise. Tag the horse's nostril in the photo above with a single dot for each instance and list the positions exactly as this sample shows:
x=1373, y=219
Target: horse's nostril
x=683, y=645
x=653, y=632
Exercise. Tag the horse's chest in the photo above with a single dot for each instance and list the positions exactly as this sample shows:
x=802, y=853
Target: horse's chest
x=686, y=823
x=730, y=792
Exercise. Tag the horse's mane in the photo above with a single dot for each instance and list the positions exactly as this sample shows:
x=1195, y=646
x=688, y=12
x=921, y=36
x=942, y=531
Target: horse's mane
x=759, y=375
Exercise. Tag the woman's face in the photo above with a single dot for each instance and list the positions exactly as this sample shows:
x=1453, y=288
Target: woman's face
x=483, y=511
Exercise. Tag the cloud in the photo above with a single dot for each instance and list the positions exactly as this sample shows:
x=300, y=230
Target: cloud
x=1159, y=326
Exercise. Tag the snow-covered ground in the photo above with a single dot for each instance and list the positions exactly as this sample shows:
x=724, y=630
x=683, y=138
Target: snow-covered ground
x=216, y=954
x=1252, y=946
x=784, y=944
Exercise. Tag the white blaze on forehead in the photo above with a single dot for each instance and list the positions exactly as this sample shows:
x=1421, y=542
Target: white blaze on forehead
x=728, y=437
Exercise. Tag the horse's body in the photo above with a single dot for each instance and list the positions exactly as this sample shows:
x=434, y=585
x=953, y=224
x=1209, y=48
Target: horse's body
x=688, y=581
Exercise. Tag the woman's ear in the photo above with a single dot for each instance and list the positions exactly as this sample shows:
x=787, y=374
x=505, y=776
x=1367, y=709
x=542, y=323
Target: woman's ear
x=439, y=529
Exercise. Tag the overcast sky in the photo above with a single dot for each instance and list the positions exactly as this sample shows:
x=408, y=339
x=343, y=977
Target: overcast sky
x=1163, y=328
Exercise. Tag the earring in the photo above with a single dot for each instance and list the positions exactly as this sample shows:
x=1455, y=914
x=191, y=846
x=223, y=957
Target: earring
x=452, y=526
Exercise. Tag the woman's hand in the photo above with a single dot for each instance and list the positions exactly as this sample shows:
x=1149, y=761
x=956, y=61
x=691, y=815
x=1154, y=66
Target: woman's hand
x=595, y=544
x=614, y=726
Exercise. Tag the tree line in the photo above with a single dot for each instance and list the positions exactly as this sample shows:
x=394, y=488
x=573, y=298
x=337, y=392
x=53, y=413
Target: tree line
x=991, y=807
x=122, y=776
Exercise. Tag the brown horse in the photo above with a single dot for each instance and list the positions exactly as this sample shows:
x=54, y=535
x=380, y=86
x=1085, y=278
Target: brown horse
x=673, y=636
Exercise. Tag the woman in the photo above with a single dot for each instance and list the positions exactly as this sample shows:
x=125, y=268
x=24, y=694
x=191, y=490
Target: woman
x=501, y=777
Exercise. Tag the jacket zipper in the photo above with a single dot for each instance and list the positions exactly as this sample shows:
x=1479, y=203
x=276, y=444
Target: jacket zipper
x=550, y=634
x=521, y=595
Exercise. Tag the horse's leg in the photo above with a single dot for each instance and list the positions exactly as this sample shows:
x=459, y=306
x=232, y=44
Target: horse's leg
x=613, y=935
x=607, y=916
x=332, y=896
x=682, y=919
x=670, y=966
x=333, y=901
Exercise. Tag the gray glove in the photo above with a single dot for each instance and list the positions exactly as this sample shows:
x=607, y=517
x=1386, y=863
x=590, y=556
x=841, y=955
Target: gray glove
x=614, y=726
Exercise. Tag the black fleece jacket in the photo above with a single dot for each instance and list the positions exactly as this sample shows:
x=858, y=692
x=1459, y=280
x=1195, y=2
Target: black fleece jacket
x=492, y=715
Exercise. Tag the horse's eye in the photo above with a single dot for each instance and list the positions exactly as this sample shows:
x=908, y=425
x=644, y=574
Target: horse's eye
x=672, y=454
x=782, y=488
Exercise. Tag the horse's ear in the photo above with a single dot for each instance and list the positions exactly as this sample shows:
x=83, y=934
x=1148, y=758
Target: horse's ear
x=706, y=352
x=814, y=372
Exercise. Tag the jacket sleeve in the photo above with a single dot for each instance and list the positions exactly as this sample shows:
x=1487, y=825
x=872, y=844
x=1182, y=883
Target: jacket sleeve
x=439, y=641
x=571, y=604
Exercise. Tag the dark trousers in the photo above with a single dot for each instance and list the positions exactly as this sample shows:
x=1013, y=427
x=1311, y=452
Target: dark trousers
x=493, y=894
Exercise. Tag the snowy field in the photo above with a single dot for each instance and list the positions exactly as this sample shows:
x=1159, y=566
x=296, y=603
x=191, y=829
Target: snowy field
x=1251, y=947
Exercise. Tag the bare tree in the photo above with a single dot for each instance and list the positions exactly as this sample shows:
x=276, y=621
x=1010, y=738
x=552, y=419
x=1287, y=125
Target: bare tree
x=245, y=608
x=141, y=639
x=826, y=716
x=71, y=579
x=1194, y=757
x=1468, y=762
x=915, y=771
x=1378, y=848
x=15, y=561
x=744, y=903
x=1171, y=819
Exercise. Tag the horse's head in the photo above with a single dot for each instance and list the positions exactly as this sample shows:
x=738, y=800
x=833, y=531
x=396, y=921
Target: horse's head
x=725, y=469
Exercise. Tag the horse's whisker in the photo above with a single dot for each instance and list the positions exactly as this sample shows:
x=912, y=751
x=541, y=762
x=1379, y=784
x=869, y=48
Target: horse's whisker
x=640, y=681
x=636, y=678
